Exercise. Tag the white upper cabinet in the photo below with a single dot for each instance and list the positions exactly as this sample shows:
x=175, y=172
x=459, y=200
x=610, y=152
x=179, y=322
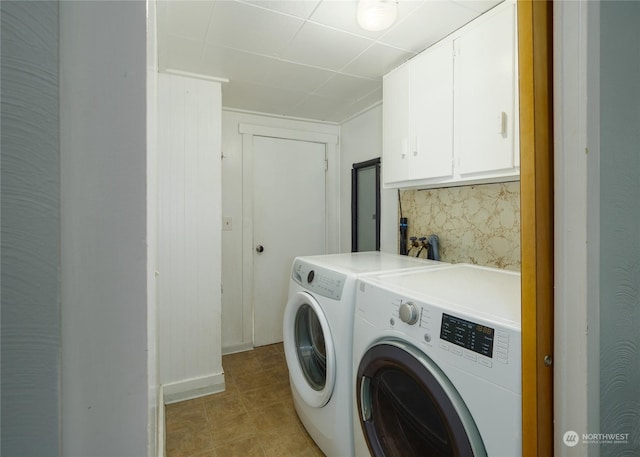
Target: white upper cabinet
x=450, y=115
x=431, y=113
x=484, y=94
x=418, y=117
x=395, y=121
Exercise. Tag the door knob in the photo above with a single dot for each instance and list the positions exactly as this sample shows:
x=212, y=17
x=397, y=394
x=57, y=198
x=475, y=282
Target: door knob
x=259, y=248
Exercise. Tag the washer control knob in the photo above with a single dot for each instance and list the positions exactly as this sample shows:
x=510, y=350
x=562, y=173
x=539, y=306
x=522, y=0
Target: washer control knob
x=408, y=313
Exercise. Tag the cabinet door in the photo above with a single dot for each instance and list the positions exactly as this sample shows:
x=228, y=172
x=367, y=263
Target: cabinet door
x=431, y=108
x=395, y=121
x=484, y=95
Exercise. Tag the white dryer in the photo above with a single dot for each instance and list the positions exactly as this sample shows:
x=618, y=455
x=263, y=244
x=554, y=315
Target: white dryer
x=318, y=326
x=437, y=363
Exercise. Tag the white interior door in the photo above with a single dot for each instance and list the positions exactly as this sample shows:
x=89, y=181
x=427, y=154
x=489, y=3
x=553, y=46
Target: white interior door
x=288, y=221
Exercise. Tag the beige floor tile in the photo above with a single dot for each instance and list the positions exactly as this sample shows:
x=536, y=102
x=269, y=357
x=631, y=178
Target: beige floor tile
x=232, y=427
x=276, y=419
x=223, y=404
x=254, y=417
x=184, y=408
x=207, y=453
x=187, y=418
x=249, y=447
x=279, y=377
x=236, y=367
x=253, y=380
x=275, y=361
x=184, y=441
x=291, y=444
x=263, y=397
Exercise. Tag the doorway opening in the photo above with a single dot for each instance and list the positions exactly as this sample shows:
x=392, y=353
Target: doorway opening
x=266, y=187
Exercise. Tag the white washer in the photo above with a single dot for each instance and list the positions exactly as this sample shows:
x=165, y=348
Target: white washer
x=437, y=363
x=318, y=326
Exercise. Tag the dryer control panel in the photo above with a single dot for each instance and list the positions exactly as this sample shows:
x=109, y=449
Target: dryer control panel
x=468, y=335
x=475, y=342
x=320, y=281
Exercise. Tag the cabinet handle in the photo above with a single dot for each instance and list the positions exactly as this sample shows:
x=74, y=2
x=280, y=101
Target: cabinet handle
x=502, y=123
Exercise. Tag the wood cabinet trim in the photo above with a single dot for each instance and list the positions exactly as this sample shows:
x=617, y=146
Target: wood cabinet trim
x=536, y=179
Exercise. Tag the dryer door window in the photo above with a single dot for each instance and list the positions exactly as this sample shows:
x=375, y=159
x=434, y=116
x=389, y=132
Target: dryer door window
x=408, y=407
x=309, y=350
x=312, y=352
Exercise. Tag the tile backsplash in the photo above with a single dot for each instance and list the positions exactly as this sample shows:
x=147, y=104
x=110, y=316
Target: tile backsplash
x=477, y=224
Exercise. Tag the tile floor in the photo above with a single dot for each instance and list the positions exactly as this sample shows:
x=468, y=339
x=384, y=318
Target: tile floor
x=254, y=417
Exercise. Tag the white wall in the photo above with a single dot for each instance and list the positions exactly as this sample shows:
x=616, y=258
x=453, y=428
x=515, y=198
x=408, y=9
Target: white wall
x=189, y=224
x=105, y=365
x=619, y=260
x=236, y=326
x=597, y=222
x=30, y=345
x=155, y=427
x=361, y=140
x=575, y=245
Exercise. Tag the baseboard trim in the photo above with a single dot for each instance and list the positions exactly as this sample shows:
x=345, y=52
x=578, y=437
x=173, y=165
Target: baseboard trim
x=193, y=388
x=161, y=444
x=237, y=348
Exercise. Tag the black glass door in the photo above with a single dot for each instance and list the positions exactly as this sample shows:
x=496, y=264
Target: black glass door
x=365, y=206
x=408, y=407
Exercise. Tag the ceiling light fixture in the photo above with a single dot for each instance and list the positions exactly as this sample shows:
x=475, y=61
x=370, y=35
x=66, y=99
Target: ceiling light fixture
x=377, y=15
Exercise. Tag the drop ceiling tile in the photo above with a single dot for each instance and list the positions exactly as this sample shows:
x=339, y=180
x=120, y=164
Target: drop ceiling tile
x=188, y=19
x=429, y=23
x=317, y=107
x=479, y=6
x=250, y=28
x=345, y=111
x=325, y=47
x=347, y=88
x=253, y=97
x=234, y=65
x=298, y=8
x=377, y=60
x=343, y=15
x=289, y=75
x=325, y=69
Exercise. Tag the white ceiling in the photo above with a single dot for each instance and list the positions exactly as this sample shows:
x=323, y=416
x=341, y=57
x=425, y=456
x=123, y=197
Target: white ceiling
x=300, y=58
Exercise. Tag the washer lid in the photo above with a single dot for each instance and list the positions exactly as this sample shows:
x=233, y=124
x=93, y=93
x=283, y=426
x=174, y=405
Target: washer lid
x=359, y=263
x=488, y=291
x=309, y=350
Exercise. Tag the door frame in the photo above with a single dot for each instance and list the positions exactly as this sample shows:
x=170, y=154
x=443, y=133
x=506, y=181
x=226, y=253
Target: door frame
x=535, y=56
x=332, y=204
